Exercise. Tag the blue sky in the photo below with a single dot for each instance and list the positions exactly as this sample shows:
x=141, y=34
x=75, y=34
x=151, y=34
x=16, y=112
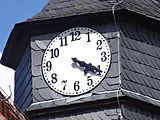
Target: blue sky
x=16, y=11
x=12, y=12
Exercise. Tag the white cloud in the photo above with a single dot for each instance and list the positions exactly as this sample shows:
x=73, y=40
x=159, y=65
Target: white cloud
x=6, y=79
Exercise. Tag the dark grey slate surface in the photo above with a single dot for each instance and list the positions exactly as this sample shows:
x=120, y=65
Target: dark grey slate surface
x=23, y=82
x=140, y=61
x=105, y=113
x=65, y=8
x=135, y=113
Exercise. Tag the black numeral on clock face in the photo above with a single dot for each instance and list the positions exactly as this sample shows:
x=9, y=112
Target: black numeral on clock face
x=54, y=53
x=54, y=78
x=63, y=41
x=65, y=83
x=89, y=81
x=75, y=35
x=48, y=65
x=99, y=44
x=76, y=86
x=104, y=57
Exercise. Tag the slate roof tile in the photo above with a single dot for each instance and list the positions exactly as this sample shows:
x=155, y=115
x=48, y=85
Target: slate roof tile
x=150, y=9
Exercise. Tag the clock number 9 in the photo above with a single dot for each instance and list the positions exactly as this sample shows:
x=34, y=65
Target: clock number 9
x=54, y=78
x=76, y=86
x=48, y=65
x=90, y=81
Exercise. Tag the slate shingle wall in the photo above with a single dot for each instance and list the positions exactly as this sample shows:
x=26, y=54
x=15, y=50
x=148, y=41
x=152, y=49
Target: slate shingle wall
x=140, y=60
x=134, y=113
x=23, y=82
x=105, y=113
x=65, y=8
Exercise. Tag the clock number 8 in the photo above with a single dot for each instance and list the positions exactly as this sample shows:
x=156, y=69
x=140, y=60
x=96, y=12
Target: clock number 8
x=76, y=86
x=54, y=78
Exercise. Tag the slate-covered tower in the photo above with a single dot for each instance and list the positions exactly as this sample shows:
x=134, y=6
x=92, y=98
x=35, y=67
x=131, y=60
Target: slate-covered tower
x=131, y=88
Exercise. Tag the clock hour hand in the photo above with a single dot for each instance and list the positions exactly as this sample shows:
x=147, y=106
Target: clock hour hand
x=87, y=67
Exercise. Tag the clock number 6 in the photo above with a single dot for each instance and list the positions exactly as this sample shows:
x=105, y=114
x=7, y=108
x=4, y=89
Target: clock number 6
x=76, y=86
x=54, y=78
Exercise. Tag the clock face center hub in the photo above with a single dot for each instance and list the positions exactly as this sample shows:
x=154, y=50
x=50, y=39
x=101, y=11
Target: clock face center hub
x=76, y=61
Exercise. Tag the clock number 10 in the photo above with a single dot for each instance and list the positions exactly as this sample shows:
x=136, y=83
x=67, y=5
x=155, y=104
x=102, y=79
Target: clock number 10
x=54, y=53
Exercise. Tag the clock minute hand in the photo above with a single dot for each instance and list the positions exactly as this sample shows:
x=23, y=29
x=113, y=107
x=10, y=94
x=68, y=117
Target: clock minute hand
x=87, y=67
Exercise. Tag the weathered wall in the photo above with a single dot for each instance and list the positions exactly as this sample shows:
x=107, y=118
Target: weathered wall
x=23, y=81
x=140, y=61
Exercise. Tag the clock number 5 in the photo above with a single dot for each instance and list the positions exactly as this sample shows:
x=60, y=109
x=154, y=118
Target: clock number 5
x=90, y=81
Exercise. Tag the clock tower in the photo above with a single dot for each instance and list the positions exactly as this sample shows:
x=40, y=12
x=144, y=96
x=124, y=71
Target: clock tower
x=87, y=60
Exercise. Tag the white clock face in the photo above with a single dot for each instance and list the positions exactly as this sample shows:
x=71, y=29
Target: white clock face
x=76, y=61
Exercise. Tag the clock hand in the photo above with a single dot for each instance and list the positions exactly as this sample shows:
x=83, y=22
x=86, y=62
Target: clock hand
x=87, y=67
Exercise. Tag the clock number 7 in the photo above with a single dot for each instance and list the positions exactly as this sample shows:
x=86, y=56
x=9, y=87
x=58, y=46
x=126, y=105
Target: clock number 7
x=65, y=83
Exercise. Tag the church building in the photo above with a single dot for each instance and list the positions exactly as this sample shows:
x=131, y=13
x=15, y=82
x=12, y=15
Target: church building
x=88, y=60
